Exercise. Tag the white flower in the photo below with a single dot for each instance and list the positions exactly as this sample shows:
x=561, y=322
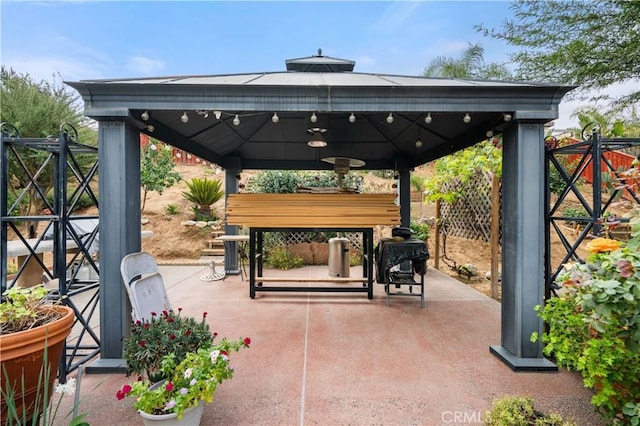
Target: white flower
x=152, y=147
x=214, y=355
x=193, y=382
x=187, y=373
x=68, y=388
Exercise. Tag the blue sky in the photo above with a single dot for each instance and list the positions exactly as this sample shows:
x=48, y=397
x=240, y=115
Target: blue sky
x=114, y=39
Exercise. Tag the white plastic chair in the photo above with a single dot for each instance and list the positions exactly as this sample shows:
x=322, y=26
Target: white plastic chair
x=144, y=285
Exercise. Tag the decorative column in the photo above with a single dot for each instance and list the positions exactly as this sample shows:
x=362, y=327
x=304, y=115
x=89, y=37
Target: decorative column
x=523, y=278
x=119, y=205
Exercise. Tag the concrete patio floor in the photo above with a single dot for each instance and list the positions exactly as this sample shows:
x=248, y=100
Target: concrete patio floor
x=341, y=359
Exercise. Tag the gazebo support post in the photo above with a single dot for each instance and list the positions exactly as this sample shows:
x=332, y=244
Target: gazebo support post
x=404, y=192
x=119, y=156
x=523, y=194
x=231, y=186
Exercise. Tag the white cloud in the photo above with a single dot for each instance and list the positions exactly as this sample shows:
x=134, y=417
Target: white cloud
x=144, y=66
x=395, y=16
x=45, y=67
x=567, y=107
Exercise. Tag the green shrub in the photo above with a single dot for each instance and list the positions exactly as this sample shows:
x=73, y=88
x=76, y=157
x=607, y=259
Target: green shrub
x=519, y=411
x=282, y=258
x=287, y=181
x=594, y=325
x=417, y=182
x=83, y=202
x=420, y=230
x=171, y=209
x=203, y=193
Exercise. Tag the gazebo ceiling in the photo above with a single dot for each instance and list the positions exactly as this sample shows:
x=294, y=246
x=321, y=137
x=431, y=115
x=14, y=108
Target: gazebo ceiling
x=231, y=119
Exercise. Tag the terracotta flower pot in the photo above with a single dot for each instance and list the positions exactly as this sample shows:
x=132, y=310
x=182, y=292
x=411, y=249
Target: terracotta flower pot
x=22, y=355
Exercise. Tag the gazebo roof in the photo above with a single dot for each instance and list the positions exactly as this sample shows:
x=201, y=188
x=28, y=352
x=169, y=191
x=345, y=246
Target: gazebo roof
x=387, y=121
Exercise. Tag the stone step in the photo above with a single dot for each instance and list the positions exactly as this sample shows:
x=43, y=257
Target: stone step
x=214, y=244
x=212, y=252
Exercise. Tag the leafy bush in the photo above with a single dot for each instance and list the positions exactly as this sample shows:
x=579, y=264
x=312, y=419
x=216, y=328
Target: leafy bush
x=594, y=325
x=203, y=193
x=172, y=209
x=519, y=411
x=282, y=258
x=461, y=167
x=417, y=182
x=420, y=230
x=156, y=169
x=83, y=202
x=576, y=212
x=287, y=181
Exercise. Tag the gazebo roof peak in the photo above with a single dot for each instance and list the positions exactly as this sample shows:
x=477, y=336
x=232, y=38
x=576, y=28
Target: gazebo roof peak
x=320, y=63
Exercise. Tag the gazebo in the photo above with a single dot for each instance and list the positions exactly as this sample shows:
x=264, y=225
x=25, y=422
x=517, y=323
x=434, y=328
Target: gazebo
x=320, y=109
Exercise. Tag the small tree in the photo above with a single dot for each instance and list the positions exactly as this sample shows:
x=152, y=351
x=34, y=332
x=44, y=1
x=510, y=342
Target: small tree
x=156, y=169
x=203, y=193
x=37, y=109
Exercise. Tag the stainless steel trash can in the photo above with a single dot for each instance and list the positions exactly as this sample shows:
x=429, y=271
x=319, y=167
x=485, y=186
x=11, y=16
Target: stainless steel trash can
x=339, y=257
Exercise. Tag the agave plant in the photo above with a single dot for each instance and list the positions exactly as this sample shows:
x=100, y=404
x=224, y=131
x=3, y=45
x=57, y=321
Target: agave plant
x=203, y=193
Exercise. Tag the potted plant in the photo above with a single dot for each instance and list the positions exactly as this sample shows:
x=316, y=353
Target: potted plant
x=32, y=337
x=166, y=332
x=594, y=324
x=189, y=384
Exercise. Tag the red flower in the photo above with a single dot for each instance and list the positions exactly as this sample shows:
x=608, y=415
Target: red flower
x=153, y=314
x=204, y=314
x=179, y=310
x=170, y=320
x=215, y=333
x=169, y=387
x=146, y=325
x=138, y=322
x=121, y=394
x=172, y=336
x=188, y=332
x=247, y=341
x=143, y=343
x=223, y=352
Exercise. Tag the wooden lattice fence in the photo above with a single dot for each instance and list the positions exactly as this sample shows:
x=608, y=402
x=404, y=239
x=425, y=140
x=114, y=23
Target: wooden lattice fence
x=292, y=238
x=470, y=215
